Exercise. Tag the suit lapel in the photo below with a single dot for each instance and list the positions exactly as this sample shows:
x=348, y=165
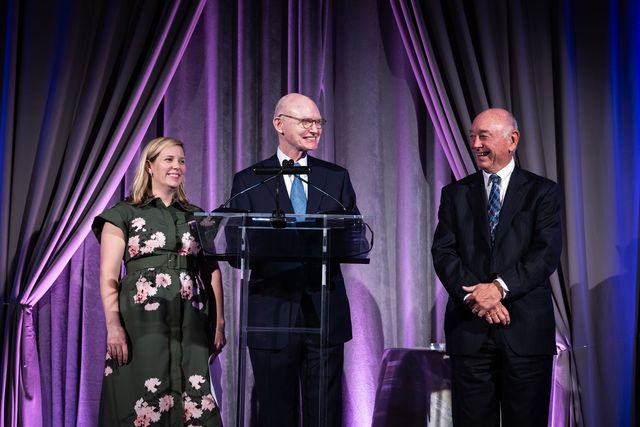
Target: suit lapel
x=317, y=177
x=512, y=202
x=477, y=198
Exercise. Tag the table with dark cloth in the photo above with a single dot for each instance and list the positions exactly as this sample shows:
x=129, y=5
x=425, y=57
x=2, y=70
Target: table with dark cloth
x=414, y=388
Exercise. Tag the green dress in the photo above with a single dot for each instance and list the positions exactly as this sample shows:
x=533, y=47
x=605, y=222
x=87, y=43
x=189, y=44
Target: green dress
x=167, y=312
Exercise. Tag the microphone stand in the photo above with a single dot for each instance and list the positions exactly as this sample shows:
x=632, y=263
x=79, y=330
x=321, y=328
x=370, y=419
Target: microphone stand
x=278, y=219
x=225, y=206
x=344, y=209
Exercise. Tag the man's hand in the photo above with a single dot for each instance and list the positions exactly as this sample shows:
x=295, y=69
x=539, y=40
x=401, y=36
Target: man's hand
x=482, y=298
x=499, y=314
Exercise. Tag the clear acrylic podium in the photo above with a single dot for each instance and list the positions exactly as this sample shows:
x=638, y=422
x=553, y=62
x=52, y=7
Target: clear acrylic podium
x=242, y=238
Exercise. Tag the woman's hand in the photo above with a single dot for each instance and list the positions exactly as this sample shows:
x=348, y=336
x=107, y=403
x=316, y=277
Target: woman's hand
x=117, y=344
x=111, y=251
x=219, y=340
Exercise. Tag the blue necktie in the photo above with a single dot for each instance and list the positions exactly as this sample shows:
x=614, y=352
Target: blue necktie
x=298, y=198
x=493, y=208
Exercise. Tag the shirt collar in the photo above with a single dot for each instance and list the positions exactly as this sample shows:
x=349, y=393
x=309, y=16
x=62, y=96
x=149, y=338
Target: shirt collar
x=157, y=202
x=503, y=173
x=282, y=157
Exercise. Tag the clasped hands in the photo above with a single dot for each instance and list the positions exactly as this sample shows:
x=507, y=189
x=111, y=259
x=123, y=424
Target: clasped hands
x=484, y=300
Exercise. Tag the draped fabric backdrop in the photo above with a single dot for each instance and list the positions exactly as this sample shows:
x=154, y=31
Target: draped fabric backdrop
x=81, y=82
x=399, y=82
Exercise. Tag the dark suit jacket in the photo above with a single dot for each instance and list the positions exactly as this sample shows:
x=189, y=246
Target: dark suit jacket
x=526, y=252
x=276, y=288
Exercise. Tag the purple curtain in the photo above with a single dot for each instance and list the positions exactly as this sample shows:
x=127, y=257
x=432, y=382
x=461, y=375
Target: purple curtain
x=240, y=61
x=80, y=84
x=438, y=32
x=540, y=60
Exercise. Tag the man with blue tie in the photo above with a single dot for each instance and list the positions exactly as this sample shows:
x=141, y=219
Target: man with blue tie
x=286, y=367
x=497, y=241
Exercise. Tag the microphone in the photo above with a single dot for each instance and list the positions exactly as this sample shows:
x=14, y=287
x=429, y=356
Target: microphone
x=287, y=168
x=284, y=170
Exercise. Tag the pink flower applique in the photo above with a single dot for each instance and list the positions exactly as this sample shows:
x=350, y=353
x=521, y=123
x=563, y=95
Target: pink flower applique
x=208, y=402
x=157, y=240
x=196, y=380
x=190, y=408
x=163, y=279
x=152, y=384
x=141, y=421
x=189, y=245
x=138, y=224
x=166, y=403
x=134, y=245
x=152, y=306
x=146, y=414
x=145, y=290
x=186, y=286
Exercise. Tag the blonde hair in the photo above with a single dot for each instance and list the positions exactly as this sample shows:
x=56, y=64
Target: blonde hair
x=141, y=187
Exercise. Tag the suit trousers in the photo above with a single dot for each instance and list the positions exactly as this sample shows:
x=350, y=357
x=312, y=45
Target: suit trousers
x=287, y=381
x=496, y=383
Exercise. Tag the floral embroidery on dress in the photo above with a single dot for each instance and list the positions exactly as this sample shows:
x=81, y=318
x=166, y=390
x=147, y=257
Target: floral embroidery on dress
x=157, y=240
x=196, y=380
x=145, y=290
x=194, y=406
x=191, y=291
x=152, y=306
x=134, y=245
x=138, y=246
x=186, y=286
x=166, y=402
x=163, y=279
x=109, y=365
x=189, y=245
x=208, y=402
x=152, y=384
x=138, y=224
x=146, y=414
x=149, y=409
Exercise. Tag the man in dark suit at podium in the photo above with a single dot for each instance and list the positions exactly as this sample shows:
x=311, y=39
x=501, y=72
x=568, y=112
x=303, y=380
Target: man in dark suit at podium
x=286, y=366
x=497, y=242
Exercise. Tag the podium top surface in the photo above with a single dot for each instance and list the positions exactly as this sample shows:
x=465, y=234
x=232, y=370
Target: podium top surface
x=229, y=235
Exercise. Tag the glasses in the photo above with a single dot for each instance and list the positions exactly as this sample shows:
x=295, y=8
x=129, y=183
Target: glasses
x=306, y=122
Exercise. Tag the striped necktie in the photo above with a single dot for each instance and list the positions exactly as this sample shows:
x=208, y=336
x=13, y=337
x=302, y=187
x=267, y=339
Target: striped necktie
x=493, y=208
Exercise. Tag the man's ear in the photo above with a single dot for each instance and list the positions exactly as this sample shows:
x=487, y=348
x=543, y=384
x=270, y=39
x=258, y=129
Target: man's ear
x=514, y=138
x=278, y=125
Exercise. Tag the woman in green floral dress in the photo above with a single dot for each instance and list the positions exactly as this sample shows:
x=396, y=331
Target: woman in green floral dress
x=165, y=317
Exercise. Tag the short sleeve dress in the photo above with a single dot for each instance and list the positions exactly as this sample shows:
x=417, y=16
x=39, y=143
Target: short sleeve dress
x=167, y=312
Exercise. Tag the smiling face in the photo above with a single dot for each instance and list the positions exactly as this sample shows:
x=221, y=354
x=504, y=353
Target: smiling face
x=167, y=170
x=294, y=140
x=493, y=139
